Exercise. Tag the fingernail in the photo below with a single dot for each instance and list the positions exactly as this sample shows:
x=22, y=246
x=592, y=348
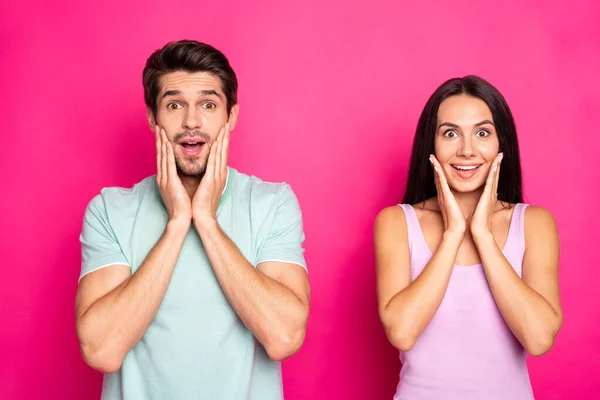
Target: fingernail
x=501, y=156
x=227, y=126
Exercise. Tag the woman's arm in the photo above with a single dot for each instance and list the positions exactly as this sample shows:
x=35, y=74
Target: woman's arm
x=531, y=305
x=406, y=308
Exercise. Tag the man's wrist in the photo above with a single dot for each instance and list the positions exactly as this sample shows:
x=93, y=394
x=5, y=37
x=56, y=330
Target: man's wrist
x=177, y=227
x=205, y=224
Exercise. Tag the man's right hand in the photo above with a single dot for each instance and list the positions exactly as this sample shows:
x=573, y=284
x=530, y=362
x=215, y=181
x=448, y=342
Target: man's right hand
x=176, y=199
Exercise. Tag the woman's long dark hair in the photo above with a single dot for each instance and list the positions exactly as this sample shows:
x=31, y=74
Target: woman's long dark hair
x=421, y=185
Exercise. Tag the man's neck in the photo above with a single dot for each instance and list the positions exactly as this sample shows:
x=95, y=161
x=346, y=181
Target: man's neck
x=190, y=183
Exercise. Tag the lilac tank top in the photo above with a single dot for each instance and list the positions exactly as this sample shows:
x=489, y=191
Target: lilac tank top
x=467, y=351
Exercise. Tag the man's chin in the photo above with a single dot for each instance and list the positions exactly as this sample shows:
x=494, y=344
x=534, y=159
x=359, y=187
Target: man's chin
x=191, y=171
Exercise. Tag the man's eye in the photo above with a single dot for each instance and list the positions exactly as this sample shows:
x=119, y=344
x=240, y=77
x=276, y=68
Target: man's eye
x=173, y=106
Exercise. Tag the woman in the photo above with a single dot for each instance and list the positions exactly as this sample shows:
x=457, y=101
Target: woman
x=467, y=275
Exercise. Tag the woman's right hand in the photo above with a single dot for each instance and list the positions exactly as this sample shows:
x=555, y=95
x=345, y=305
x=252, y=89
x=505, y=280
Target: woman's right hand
x=454, y=220
x=176, y=199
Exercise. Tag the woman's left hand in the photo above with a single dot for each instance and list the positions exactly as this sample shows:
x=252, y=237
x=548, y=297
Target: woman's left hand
x=481, y=221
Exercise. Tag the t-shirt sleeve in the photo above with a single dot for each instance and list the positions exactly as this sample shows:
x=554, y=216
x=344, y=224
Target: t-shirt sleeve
x=99, y=245
x=284, y=242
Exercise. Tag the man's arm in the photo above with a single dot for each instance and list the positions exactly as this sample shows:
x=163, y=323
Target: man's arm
x=272, y=300
x=114, y=308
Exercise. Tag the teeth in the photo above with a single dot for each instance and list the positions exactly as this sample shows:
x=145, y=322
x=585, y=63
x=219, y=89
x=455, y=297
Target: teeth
x=465, y=168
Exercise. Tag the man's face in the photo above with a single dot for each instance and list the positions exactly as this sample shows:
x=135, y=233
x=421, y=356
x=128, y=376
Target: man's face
x=192, y=109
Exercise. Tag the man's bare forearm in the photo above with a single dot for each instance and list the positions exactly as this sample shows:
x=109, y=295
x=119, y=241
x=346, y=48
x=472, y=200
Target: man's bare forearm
x=114, y=323
x=271, y=311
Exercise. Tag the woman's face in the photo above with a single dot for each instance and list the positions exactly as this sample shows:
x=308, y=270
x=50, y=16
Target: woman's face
x=466, y=142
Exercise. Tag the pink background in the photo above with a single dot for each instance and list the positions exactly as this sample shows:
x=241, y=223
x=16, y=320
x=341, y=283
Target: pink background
x=330, y=95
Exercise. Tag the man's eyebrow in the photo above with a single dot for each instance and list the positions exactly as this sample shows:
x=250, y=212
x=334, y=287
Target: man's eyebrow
x=200, y=92
x=170, y=93
x=208, y=93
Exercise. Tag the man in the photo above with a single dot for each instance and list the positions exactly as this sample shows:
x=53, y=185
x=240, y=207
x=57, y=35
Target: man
x=193, y=283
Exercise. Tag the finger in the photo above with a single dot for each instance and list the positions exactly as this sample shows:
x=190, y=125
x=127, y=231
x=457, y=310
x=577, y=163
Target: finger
x=158, y=153
x=438, y=169
x=441, y=176
x=171, y=166
x=220, y=135
x=440, y=193
x=210, y=168
x=497, y=177
x=489, y=182
x=216, y=161
x=217, y=164
x=225, y=151
x=436, y=178
x=157, y=138
x=163, y=163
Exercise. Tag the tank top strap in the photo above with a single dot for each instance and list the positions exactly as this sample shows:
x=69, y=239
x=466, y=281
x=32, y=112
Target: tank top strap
x=416, y=241
x=520, y=224
x=515, y=243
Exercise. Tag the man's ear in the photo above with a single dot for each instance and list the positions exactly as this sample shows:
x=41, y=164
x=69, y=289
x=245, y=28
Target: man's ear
x=151, y=119
x=233, y=116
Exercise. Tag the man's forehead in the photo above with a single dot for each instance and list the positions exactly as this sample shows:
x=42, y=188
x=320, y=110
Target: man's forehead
x=189, y=82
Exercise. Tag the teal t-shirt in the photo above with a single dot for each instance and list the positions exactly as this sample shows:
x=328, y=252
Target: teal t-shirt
x=196, y=347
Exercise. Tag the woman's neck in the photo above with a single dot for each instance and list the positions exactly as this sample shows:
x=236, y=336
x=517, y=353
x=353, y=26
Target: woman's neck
x=468, y=201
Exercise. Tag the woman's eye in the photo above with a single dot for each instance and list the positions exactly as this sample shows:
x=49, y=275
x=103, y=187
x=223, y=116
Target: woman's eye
x=483, y=133
x=450, y=134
